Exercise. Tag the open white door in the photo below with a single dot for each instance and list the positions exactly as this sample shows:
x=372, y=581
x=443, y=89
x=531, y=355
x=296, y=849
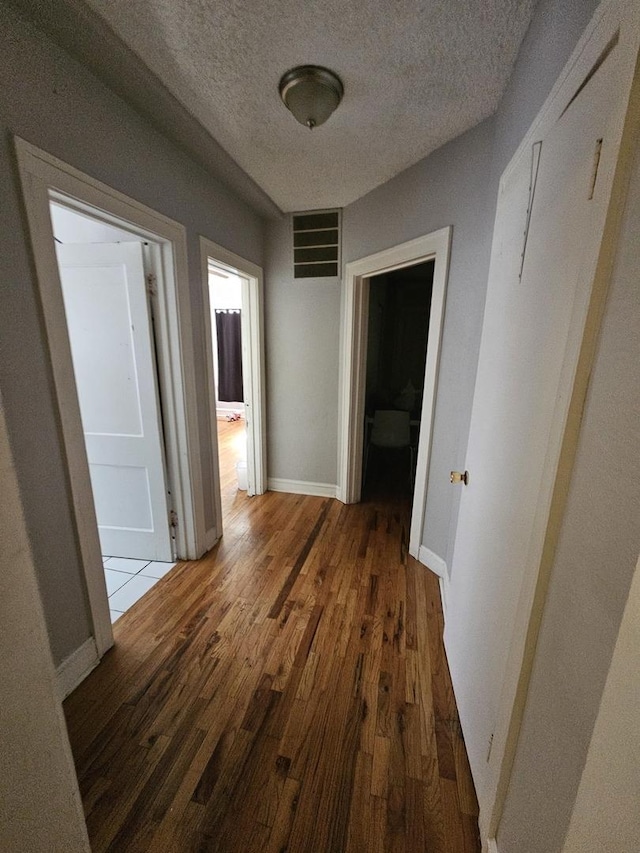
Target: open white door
x=249, y=337
x=106, y=305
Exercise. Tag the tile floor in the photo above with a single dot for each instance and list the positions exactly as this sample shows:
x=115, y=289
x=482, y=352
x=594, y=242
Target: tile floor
x=128, y=580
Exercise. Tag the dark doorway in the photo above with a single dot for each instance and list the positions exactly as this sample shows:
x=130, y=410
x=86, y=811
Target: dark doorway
x=398, y=330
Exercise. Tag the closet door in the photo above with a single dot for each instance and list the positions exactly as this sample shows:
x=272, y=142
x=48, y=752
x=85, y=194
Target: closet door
x=549, y=226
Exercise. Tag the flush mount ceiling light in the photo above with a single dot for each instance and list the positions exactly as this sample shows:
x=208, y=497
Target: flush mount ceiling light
x=311, y=93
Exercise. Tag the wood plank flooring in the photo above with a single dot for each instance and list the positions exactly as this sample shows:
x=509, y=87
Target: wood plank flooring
x=232, y=446
x=287, y=692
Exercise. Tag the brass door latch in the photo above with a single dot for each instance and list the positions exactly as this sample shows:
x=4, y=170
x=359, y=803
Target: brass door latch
x=459, y=477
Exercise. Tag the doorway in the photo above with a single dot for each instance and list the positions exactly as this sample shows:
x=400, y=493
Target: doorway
x=225, y=299
x=397, y=341
x=44, y=179
x=234, y=324
x=435, y=248
x=104, y=275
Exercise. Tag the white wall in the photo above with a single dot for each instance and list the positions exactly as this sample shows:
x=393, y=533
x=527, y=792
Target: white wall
x=225, y=291
x=607, y=810
x=41, y=804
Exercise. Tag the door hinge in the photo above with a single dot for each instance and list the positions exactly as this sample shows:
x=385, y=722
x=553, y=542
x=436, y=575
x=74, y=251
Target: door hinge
x=173, y=518
x=152, y=282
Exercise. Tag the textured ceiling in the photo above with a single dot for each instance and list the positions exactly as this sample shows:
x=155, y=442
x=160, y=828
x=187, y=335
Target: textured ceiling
x=416, y=73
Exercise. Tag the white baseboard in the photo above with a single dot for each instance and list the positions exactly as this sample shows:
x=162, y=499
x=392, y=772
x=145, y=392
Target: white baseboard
x=443, y=595
x=438, y=566
x=76, y=667
x=210, y=539
x=432, y=561
x=223, y=414
x=302, y=487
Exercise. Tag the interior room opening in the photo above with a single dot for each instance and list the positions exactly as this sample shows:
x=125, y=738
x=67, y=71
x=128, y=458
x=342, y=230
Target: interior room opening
x=104, y=274
x=225, y=300
x=397, y=339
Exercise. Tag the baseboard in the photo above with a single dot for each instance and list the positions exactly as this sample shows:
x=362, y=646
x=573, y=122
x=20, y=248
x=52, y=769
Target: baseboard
x=223, y=414
x=76, y=667
x=432, y=561
x=488, y=838
x=302, y=487
x=211, y=537
x=443, y=595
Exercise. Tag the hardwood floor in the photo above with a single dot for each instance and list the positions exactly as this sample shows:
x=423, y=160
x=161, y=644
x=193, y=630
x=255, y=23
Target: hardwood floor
x=232, y=446
x=288, y=692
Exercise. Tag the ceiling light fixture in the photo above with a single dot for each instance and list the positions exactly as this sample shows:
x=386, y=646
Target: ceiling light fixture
x=311, y=93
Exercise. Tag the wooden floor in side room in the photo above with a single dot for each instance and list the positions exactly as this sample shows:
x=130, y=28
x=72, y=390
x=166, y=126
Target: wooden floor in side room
x=232, y=449
x=287, y=692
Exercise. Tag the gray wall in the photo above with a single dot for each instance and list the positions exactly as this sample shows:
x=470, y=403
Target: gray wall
x=592, y=573
x=53, y=102
x=555, y=28
x=302, y=320
x=38, y=785
x=606, y=815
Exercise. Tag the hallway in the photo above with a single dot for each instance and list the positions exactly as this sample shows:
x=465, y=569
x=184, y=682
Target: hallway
x=289, y=691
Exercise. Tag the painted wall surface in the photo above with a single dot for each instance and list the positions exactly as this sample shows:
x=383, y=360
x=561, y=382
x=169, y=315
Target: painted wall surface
x=555, y=28
x=50, y=100
x=302, y=332
x=594, y=565
x=606, y=814
x=38, y=786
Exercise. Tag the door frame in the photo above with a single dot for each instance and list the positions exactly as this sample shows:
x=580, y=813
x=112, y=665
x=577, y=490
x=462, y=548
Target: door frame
x=435, y=246
x=45, y=178
x=253, y=372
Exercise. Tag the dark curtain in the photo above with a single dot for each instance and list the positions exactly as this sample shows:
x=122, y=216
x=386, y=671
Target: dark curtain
x=229, y=356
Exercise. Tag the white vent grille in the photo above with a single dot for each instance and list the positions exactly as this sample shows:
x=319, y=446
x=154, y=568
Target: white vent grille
x=316, y=244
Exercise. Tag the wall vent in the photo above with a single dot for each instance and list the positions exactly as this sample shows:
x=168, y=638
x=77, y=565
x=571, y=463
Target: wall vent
x=316, y=244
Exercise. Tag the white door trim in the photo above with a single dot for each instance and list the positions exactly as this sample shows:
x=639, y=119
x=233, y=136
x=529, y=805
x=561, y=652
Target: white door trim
x=252, y=365
x=434, y=246
x=613, y=20
x=44, y=177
